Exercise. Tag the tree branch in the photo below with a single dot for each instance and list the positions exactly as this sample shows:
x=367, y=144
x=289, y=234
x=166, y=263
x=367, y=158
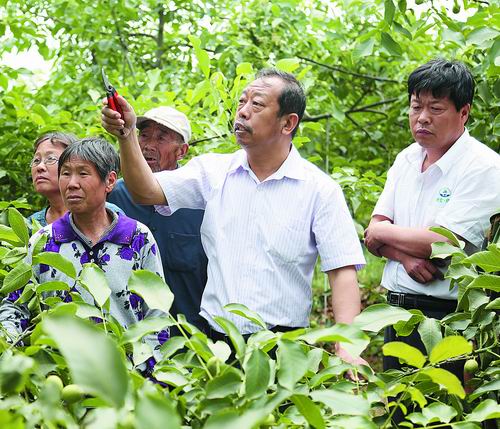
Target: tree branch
x=205, y=139
x=342, y=70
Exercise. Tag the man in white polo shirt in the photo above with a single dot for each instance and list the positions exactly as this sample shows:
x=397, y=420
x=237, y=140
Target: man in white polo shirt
x=268, y=212
x=447, y=178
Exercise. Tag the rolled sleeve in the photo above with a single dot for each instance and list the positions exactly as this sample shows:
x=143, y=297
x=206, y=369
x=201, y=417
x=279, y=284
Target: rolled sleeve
x=336, y=238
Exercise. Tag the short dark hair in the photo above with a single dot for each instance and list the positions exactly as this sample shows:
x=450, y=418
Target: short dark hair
x=443, y=78
x=95, y=150
x=56, y=137
x=292, y=99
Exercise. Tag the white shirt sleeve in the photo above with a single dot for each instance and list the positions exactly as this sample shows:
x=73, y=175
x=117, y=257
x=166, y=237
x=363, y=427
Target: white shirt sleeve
x=188, y=186
x=385, y=203
x=474, y=201
x=333, y=228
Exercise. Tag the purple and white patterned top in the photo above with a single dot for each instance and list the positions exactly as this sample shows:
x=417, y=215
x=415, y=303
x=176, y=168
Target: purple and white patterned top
x=126, y=246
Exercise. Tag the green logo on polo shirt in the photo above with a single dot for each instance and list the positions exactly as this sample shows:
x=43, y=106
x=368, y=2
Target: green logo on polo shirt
x=444, y=195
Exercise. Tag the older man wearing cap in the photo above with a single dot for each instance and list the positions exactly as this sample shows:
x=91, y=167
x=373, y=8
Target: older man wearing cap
x=164, y=134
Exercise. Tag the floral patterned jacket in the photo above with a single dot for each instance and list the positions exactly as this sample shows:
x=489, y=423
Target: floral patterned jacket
x=126, y=246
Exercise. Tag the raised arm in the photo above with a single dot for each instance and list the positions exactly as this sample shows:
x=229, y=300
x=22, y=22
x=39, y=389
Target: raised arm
x=139, y=178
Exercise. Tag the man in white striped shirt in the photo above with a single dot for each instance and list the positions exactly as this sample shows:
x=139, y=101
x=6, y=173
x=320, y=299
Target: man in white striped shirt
x=268, y=212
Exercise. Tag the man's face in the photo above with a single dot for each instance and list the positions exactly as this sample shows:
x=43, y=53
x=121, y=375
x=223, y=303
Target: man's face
x=257, y=118
x=435, y=122
x=161, y=146
x=81, y=187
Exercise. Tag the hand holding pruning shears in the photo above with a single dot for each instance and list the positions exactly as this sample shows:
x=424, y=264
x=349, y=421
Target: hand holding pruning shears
x=118, y=117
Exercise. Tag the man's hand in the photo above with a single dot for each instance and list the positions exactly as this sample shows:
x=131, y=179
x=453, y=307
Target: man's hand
x=372, y=242
x=347, y=357
x=421, y=270
x=113, y=124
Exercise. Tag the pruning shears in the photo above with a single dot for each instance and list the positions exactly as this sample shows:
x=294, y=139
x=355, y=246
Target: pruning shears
x=111, y=94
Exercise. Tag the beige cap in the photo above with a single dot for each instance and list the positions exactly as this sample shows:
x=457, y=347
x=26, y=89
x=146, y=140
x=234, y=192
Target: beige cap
x=170, y=118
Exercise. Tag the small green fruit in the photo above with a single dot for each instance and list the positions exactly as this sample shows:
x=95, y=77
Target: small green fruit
x=471, y=366
x=213, y=366
x=55, y=381
x=270, y=420
x=456, y=8
x=72, y=393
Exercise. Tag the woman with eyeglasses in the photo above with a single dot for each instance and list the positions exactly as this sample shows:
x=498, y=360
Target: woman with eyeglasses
x=48, y=148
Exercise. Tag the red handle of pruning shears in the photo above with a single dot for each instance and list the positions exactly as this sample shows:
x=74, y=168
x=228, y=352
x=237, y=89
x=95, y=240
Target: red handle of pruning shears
x=111, y=95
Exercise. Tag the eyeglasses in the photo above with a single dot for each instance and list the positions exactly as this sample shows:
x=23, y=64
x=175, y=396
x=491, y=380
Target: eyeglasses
x=50, y=160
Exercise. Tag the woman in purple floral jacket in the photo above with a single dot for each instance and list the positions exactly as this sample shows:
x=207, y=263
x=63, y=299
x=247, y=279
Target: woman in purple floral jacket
x=91, y=233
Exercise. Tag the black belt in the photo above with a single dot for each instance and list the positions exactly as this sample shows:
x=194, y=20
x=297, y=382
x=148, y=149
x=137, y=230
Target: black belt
x=409, y=301
x=219, y=336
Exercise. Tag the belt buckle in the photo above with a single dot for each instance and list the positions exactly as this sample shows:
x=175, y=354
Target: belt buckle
x=397, y=299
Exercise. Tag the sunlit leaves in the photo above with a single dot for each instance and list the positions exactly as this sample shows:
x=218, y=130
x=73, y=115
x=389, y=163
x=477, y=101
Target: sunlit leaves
x=409, y=354
x=449, y=347
x=92, y=357
x=152, y=289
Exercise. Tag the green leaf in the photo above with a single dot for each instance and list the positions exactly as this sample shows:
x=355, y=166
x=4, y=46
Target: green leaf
x=201, y=56
x=171, y=346
x=244, y=311
x=288, y=64
x=234, y=335
x=363, y=49
x=489, y=261
x=389, y=10
x=449, y=347
x=486, y=281
x=417, y=396
x=449, y=235
x=487, y=409
x=155, y=410
x=430, y=333
x=492, y=386
x=56, y=260
x=342, y=402
x=292, y=363
x=444, y=250
x=152, y=288
x=257, y=372
x=136, y=331
x=378, y=316
x=16, y=278
x=52, y=286
x=8, y=235
x=244, y=68
x=309, y=410
x=446, y=380
x=18, y=225
x=409, y=354
x=437, y=412
x=94, y=280
x=92, y=357
x=227, y=383
x=390, y=44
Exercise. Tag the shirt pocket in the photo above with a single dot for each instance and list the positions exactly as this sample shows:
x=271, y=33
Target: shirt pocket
x=288, y=240
x=184, y=252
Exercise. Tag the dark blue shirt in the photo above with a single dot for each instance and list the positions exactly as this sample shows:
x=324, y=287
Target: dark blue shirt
x=182, y=255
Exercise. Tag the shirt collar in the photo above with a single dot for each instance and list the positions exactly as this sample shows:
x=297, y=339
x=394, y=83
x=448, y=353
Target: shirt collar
x=292, y=167
x=122, y=233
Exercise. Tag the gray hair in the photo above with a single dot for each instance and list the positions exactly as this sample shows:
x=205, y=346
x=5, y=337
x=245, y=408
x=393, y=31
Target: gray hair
x=95, y=150
x=56, y=137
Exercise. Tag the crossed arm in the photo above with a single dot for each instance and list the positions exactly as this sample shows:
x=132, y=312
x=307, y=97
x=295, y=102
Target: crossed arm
x=410, y=246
